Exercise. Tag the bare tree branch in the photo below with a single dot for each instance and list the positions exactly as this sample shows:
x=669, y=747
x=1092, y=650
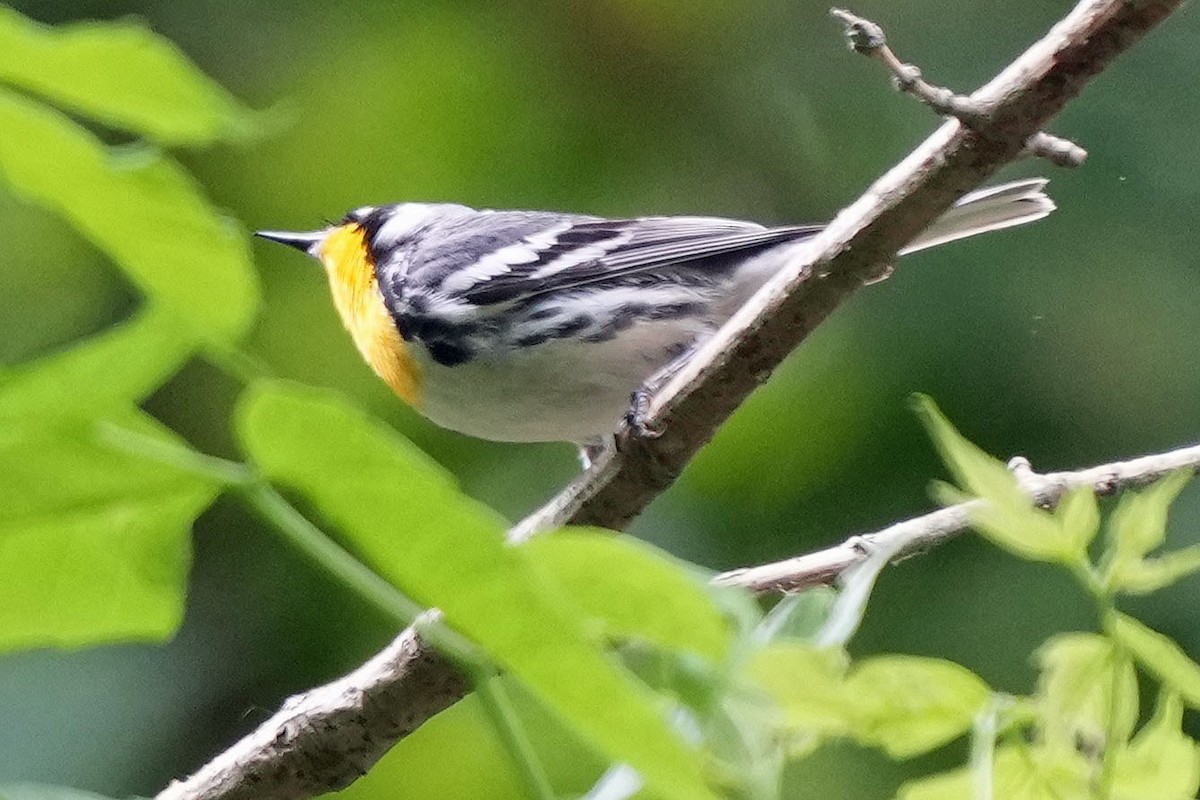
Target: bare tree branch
x=322, y=738
x=328, y=737
x=921, y=533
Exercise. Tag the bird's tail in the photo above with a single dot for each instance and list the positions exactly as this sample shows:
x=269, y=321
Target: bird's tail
x=986, y=210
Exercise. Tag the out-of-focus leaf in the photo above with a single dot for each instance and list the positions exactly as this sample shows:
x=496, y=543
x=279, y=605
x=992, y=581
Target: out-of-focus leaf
x=904, y=704
x=141, y=209
x=406, y=517
x=1079, y=673
x=1006, y=516
x=1159, y=655
x=94, y=544
x=121, y=74
x=909, y=705
x=974, y=470
x=797, y=616
x=635, y=589
x=1147, y=575
x=1078, y=514
x=1137, y=526
x=1139, y=523
x=808, y=684
x=1020, y=773
x=112, y=370
x=1161, y=762
x=33, y=791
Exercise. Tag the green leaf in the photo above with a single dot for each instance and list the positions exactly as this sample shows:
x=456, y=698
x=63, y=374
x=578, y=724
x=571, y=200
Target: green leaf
x=1006, y=516
x=112, y=370
x=406, y=517
x=94, y=544
x=974, y=470
x=121, y=74
x=1161, y=762
x=808, y=684
x=634, y=589
x=1137, y=526
x=1019, y=773
x=1147, y=575
x=799, y=616
x=909, y=705
x=141, y=209
x=1159, y=655
x=33, y=791
x=1139, y=523
x=1079, y=673
x=1078, y=515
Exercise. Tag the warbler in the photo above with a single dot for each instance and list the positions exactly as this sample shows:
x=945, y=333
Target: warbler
x=531, y=326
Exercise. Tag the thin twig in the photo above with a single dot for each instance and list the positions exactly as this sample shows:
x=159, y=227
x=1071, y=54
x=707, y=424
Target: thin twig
x=868, y=38
x=921, y=533
x=825, y=272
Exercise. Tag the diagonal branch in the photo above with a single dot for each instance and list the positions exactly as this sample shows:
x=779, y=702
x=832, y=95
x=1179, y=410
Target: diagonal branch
x=852, y=251
x=311, y=740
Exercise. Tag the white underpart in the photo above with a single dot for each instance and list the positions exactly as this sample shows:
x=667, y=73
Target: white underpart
x=405, y=219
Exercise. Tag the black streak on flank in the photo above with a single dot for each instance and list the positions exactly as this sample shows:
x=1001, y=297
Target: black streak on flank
x=448, y=354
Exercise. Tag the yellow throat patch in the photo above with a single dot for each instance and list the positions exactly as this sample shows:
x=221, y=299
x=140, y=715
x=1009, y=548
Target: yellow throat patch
x=358, y=300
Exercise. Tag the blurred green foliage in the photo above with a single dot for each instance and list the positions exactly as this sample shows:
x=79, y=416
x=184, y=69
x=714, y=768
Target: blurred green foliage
x=1069, y=342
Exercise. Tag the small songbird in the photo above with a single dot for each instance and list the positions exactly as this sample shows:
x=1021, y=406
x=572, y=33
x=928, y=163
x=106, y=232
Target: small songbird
x=532, y=326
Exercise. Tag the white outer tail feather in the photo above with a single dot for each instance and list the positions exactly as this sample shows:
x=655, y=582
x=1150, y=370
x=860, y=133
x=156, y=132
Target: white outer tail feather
x=986, y=210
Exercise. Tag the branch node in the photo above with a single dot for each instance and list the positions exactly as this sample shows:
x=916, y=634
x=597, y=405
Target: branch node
x=1055, y=149
x=868, y=38
x=862, y=35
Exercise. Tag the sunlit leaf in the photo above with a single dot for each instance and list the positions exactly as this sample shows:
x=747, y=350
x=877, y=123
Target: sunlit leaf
x=114, y=369
x=808, y=684
x=122, y=74
x=1139, y=523
x=94, y=544
x=1158, y=655
x=141, y=209
x=1138, y=526
x=1078, y=514
x=1161, y=762
x=1019, y=773
x=406, y=517
x=1146, y=575
x=1079, y=673
x=909, y=705
x=974, y=470
x=1005, y=516
x=798, y=616
x=635, y=589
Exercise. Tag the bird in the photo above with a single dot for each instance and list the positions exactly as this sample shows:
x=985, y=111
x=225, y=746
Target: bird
x=538, y=326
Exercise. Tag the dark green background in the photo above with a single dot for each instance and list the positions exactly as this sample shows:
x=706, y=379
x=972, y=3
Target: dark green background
x=1072, y=342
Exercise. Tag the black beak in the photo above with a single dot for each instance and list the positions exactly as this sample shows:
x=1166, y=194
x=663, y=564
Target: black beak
x=300, y=241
